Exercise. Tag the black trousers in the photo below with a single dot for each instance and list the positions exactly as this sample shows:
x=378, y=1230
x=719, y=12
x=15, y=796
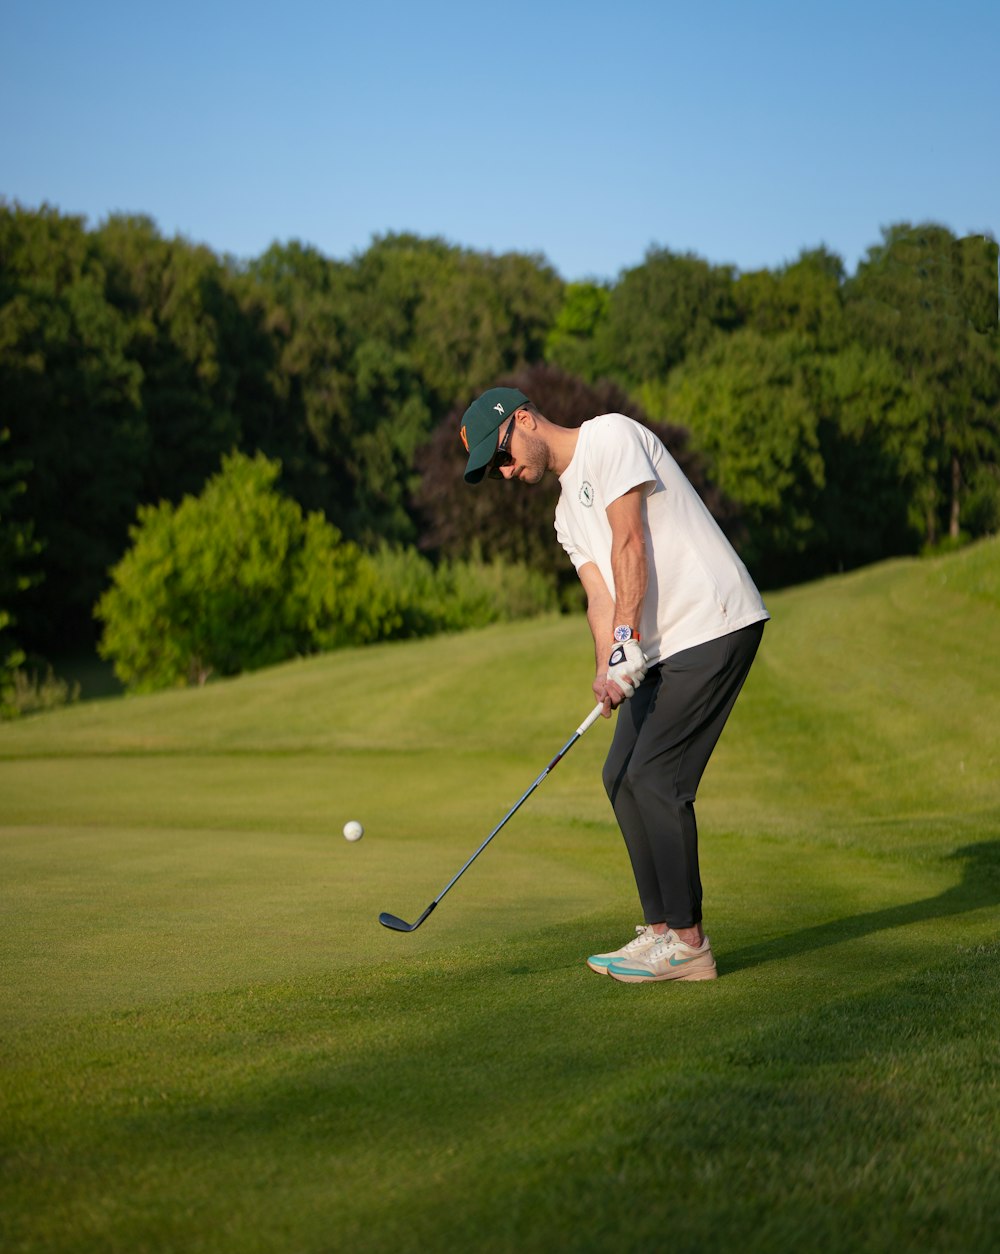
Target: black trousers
x=664, y=737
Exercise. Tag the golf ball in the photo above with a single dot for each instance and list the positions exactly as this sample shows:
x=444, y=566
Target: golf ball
x=353, y=830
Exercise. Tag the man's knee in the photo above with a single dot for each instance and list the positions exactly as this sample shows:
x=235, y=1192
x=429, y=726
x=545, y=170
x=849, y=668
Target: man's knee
x=655, y=786
x=612, y=777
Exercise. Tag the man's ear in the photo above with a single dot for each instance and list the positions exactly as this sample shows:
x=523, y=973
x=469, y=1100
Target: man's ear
x=525, y=417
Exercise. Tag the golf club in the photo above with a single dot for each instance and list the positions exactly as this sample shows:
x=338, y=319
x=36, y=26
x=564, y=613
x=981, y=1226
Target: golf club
x=399, y=925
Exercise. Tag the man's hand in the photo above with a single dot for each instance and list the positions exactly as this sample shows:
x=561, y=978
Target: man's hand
x=609, y=702
x=626, y=668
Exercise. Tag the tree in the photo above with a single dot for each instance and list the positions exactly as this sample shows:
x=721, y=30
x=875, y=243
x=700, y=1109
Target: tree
x=302, y=301
x=919, y=296
x=662, y=311
x=805, y=297
x=353, y=400
x=232, y=580
x=389, y=420
x=572, y=342
x=18, y=550
x=462, y=317
x=871, y=466
x=746, y=401
x=179, y=314
x=18, y=547
x=70, y=397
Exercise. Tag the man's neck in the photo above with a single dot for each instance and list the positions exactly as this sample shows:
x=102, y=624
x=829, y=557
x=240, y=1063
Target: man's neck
x=562, y=445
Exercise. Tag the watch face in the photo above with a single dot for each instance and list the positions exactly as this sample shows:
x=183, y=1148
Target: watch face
x=622, y=634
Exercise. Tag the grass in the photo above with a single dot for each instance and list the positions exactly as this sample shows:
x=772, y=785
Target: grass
x=208, y=1043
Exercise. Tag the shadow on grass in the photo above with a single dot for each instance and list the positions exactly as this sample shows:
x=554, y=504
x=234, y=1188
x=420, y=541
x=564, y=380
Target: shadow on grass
x=978, y=887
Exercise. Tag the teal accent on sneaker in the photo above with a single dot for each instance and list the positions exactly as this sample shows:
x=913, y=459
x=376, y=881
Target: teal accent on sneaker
x=622, y=968
x=599, y=960
x=641, y=943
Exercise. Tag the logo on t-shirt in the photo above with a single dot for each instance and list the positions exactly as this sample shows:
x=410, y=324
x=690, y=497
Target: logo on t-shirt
x=586, y=494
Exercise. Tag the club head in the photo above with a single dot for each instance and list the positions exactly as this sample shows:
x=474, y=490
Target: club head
x=399, y=925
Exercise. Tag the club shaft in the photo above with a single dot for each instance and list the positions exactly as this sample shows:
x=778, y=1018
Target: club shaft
x=587, y=722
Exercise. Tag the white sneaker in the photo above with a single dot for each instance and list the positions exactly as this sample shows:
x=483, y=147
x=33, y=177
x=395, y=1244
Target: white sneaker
x=668, y=958
x=645, y=938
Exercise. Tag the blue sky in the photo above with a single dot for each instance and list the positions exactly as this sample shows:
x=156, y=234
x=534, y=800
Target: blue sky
x=586, y=132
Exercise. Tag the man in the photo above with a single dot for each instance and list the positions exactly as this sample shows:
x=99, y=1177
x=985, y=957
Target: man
x=676, y=621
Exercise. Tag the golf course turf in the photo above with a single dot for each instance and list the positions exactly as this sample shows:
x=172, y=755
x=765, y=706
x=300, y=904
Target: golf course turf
x=210, y=1044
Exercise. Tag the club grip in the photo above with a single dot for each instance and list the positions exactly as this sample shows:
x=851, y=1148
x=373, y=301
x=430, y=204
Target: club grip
x=591, y=718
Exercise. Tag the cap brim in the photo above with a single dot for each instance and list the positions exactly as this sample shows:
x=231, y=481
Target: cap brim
x=480, y=457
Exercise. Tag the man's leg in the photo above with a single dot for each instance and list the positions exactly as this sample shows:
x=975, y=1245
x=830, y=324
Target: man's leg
x=663, y=741
x=628, y=723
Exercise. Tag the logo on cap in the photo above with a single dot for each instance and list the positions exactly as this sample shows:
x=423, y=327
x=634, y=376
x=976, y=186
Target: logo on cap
x=499, y=408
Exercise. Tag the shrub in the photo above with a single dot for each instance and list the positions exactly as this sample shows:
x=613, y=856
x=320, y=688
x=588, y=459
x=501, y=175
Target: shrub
x=231, y=580
x=24, y=691
x=419, y=599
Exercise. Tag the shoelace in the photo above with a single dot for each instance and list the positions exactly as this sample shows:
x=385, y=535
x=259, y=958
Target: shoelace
x=639, y=939
x=667, y=941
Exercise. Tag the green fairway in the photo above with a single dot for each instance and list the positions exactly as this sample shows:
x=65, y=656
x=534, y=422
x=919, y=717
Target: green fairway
x=209, y=1044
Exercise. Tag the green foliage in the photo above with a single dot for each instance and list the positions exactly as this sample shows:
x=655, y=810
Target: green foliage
x=478, y=593
x=660, y=312
x=389, y=422
x=870, y=457
x=302, y=301
x=232, y=580
x=462, y=316
x=919, y=295
x=418, y=598
x=180, y=318
x=981, y=508
x=747, y=403
x=572, y=344
x=974, y=268
x=70, y=397
x=11, y=660
x=19, y=549
x=21, y=691
x=805, y=297
x=18, y=555
x=27, y=691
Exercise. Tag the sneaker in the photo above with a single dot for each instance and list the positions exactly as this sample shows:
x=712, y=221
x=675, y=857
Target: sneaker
x=645, y=938
x=669, y=958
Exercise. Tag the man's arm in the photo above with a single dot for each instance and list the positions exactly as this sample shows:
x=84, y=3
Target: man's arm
x=601, y=619
x=628, y=558
x=604, y=612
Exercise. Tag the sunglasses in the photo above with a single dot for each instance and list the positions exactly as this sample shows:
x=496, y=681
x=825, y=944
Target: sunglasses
x=502, y=456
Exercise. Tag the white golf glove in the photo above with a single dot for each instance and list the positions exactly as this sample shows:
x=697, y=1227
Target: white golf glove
x=627, y=667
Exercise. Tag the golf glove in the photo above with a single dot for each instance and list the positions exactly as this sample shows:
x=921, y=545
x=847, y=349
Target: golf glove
x=627, y=667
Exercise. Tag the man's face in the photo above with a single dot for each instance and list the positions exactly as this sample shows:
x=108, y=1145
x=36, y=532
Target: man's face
x=529, y=455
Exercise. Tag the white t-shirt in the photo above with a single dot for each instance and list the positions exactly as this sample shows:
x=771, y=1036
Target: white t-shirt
x=698, y=588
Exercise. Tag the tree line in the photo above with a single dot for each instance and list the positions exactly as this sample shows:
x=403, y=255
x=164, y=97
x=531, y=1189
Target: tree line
x=828, y=419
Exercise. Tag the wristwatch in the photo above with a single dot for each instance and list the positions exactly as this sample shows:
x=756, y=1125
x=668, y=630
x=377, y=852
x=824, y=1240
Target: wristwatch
x=624, y=632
